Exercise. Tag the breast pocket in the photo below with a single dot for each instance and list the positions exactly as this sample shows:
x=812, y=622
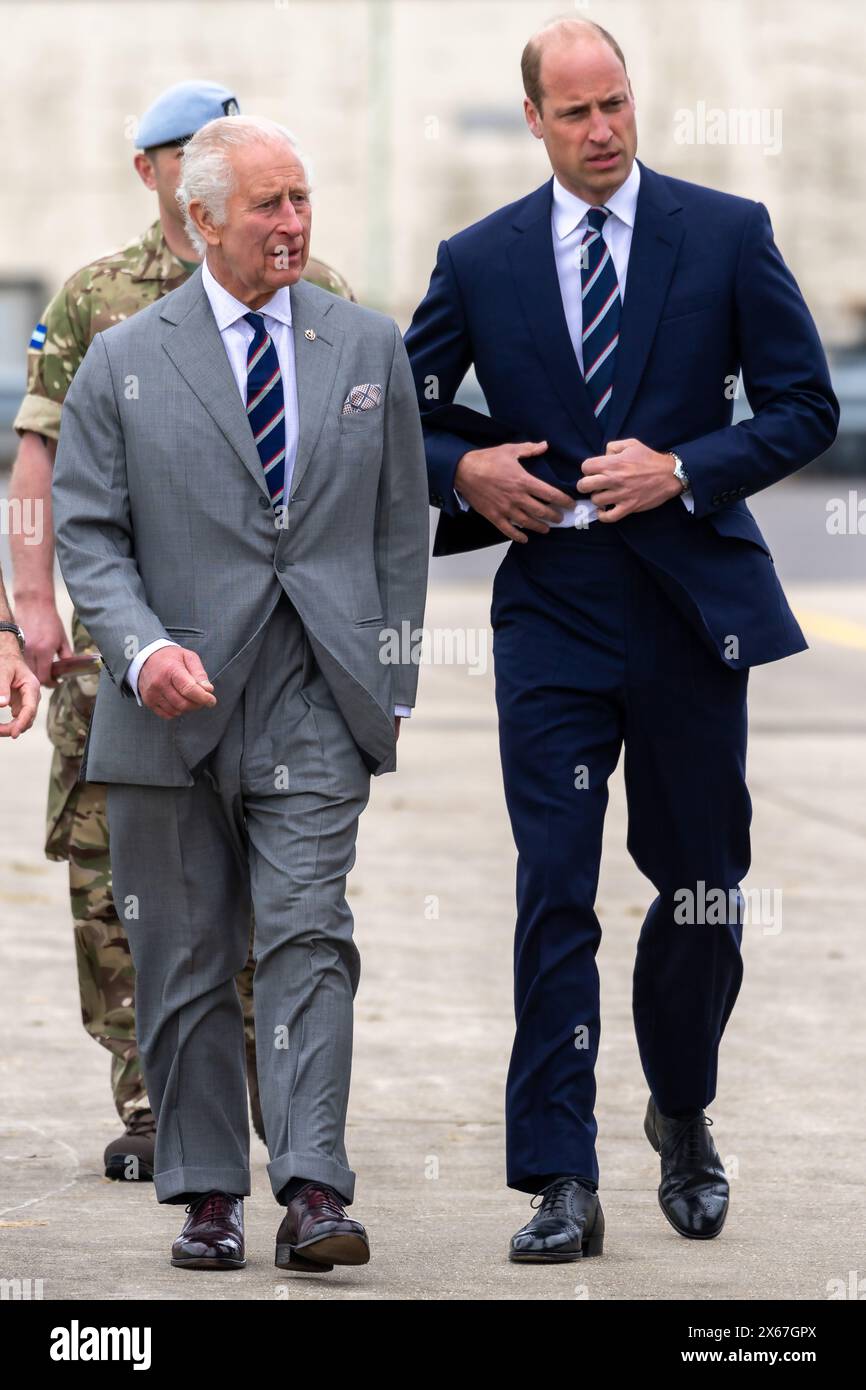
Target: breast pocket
x=361, y=434
x=688, y=305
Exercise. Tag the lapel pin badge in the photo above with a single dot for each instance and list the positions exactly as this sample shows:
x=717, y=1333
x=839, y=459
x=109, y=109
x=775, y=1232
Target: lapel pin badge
x=310, y=333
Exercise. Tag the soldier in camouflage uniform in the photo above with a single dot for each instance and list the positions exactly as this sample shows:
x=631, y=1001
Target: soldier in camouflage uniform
x=101, y=294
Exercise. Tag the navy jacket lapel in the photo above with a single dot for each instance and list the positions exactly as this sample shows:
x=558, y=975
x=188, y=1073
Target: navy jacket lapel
x=530, y=256
x=655, y=244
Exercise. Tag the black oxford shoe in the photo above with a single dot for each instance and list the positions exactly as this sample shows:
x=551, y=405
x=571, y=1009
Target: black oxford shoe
x=212, y=1235
x=693, y=1193
x=569, y=1225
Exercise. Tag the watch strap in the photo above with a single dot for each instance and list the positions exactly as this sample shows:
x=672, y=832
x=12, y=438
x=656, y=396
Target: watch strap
x=13, y=627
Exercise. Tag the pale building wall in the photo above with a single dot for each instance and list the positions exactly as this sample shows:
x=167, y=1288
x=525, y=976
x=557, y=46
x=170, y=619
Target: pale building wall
x=411, y=112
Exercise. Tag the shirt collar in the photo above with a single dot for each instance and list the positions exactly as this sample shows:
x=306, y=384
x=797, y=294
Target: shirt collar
x=569, y=210
x=227, y=310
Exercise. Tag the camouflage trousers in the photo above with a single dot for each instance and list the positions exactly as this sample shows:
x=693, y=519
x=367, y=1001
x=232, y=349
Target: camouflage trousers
x=77, y=831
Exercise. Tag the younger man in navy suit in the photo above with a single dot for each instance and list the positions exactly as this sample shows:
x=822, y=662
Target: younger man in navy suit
x=608, y=315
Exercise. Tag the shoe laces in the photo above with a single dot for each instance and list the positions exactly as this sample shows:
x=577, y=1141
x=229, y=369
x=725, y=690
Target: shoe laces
x=141, y=1122
x=326, y=1200
x=693, y=1137
x=554, y=1197
x=213, y=1205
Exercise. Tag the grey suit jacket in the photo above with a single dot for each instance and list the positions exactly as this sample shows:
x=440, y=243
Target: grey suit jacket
x=165, y=528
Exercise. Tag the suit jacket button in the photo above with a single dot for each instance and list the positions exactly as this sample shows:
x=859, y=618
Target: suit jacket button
x=264, y=502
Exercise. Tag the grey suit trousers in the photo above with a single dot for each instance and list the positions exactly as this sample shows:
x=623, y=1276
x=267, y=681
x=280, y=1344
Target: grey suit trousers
x=270, y=822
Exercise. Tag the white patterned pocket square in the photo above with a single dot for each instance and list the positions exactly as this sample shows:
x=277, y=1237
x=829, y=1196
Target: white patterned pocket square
x=364, y=397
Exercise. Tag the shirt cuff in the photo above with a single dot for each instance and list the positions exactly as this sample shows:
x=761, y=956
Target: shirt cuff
x=688, y=500
x=464, y=505
x=402, y=711
x=135, y=666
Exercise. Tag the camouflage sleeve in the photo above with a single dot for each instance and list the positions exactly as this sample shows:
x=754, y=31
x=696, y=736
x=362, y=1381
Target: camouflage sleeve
x=69, y=712
x=56, y=350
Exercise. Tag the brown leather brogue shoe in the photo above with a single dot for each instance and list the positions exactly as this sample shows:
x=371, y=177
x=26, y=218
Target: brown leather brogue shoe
x=130, y=1157
x=212, y=1235
x=316, y=1234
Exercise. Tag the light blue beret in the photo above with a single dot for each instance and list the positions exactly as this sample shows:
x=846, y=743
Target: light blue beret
x=182, y=110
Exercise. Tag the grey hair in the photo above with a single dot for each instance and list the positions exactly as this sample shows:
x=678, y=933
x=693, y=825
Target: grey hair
x=207, y=176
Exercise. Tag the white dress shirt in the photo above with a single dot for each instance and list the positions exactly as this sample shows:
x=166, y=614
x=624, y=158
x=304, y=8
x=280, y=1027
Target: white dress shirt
x=569, y=226
x=236, y=335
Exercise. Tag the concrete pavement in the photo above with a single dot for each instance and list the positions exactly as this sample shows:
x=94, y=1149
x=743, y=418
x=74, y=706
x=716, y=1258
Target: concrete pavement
x=433, y=898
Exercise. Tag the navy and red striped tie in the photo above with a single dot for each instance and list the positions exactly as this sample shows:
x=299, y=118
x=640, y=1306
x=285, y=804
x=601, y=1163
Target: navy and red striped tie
x=266, y=409
x=601, y=307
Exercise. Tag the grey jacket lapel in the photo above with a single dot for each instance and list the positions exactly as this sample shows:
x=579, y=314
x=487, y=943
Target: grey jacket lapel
x=318, y=343
x=196, y=349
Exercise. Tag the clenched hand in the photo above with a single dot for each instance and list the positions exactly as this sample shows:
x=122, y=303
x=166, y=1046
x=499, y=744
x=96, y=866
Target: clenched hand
x=496, y=485
x=629, y=478
x=173, y=681
x=19, y=689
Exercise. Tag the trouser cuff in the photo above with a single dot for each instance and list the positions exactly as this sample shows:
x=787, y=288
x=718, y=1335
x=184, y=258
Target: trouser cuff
x=314, y=1168
x=175, y=1184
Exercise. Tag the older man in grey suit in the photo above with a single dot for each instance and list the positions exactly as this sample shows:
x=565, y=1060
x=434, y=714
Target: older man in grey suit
x=241, y=509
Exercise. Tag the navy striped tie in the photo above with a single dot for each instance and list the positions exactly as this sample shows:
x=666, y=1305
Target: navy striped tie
x=601, y=307
x=266, y=410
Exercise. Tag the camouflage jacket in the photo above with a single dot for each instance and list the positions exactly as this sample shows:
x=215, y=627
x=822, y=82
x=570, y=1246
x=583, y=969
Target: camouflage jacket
x=101, y=294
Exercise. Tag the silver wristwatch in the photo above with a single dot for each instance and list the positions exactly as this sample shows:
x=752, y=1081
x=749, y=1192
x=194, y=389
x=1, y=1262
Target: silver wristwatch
x=679, y=471
x=13, y=627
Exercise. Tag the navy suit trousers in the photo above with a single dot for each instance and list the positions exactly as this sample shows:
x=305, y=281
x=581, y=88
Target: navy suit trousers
x=590, y=657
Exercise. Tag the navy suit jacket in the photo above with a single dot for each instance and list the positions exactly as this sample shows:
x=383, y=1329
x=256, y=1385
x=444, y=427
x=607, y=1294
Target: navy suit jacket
x=707, y=296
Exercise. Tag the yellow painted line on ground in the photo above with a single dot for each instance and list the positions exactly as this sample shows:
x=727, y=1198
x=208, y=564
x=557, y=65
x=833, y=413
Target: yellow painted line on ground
x=841, y=632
